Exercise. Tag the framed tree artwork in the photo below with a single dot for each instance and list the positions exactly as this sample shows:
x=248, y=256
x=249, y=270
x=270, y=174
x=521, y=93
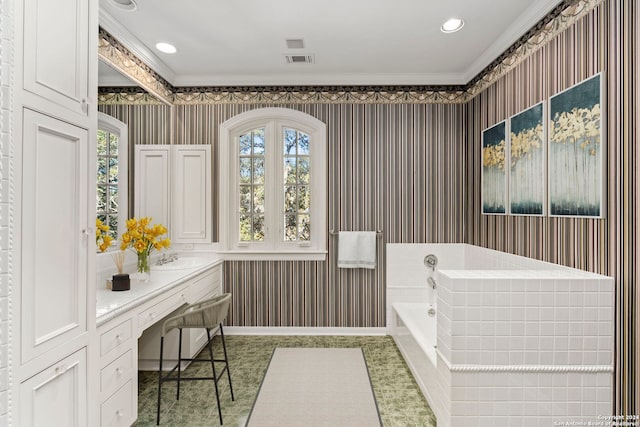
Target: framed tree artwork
x=527, y=177
x=494, y=176
x=577, y=151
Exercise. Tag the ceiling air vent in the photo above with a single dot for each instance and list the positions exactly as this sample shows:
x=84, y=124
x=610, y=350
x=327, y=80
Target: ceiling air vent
x=299, y=59
x=295, y=43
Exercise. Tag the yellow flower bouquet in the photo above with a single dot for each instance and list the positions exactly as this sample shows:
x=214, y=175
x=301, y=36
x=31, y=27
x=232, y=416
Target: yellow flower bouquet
x=103, y=239
x=142, y=238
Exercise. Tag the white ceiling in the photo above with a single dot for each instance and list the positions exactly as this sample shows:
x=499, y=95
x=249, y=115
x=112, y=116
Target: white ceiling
x=355, y=42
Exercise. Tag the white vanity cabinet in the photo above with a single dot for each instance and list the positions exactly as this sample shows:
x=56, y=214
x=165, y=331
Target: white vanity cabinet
x=60, y=57
x=191, y=220
x=129, y=328
x=179, y=177
x=47, y=398
x=53, y=250
x=203, y=287
x=118, y=373
x=152, y=183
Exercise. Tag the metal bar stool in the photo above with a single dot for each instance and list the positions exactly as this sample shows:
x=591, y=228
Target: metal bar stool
x=209, y=315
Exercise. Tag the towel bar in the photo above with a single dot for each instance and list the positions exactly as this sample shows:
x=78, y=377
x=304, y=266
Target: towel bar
x=335, y=233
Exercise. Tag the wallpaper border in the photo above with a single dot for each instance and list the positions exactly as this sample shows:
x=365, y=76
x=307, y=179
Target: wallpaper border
x=159, y=90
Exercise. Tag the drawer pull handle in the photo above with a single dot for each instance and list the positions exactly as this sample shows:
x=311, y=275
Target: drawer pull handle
x=119, y=371
x=118, y=338
x=119, y=413
x=59, y=370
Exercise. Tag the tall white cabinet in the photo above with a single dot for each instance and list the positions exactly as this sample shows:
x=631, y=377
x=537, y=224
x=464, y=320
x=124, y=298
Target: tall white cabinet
x=53, y=258
x=173, y=185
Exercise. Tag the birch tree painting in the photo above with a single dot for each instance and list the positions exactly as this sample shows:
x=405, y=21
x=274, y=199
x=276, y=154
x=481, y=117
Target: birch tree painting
x=576, y=151
x=494, y=177
x=526, y=162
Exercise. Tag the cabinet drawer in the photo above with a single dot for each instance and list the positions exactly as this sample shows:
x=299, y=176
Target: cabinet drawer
x=205, y=285
x=155, y=313
x=117, y=410
x=116, y=373
x=115, y=337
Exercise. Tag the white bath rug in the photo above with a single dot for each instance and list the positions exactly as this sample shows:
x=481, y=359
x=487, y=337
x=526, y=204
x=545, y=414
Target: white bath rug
x=316, y=387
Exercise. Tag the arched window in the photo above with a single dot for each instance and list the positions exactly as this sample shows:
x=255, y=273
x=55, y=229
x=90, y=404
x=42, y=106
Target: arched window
x=273, y=183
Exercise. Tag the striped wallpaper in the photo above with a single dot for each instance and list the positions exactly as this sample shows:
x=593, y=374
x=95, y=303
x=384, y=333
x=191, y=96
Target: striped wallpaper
x=413, y=171
x=396, y=168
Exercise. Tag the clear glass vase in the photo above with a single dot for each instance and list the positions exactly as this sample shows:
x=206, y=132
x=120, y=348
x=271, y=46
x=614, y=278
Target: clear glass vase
x=143, y=266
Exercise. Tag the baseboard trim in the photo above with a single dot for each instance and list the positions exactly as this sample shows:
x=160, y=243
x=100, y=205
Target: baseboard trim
x=287, y=330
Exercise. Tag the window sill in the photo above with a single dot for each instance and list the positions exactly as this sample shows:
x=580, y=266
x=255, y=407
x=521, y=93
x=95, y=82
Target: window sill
x=273, y=255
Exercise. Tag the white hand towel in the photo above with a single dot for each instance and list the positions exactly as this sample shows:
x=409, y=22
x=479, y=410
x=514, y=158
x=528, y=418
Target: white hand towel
x=357, y=249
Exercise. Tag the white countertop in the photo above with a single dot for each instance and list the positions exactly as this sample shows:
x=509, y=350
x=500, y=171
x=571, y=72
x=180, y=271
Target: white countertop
x=109, y=304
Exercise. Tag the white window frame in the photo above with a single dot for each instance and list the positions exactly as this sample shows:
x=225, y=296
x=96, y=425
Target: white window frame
x=274, y=120
x=116, y=127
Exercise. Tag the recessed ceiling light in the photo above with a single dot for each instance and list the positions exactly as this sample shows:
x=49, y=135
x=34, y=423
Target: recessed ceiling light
x=166, y=47
x=129, y=5
x=452, y=25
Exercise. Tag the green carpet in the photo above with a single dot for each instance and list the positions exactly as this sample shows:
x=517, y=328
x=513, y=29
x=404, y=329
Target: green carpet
x=400, y=401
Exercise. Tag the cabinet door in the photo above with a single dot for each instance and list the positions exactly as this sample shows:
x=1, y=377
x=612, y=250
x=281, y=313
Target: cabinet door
x=57, y=395
x=191, y=194
x=55, y=236
x=57, y=52
x=151, y=194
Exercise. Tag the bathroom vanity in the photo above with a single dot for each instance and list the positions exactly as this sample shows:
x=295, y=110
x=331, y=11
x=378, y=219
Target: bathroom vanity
x=122, y=317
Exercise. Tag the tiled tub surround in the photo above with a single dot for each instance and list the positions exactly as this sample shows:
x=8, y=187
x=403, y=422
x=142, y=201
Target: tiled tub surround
x=519, y=341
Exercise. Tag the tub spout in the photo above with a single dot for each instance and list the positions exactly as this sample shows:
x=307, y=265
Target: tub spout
x=432, y=283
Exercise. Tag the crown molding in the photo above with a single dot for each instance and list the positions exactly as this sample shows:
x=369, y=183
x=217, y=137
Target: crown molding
x=537, y=11
x=134, y=45
x=303, y=79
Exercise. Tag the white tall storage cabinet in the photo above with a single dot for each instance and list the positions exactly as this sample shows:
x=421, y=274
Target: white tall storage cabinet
x=53, y=255
x=173, y=185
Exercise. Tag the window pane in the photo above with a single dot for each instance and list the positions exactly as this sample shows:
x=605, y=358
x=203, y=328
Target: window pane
x=245, y=170
x=102, y=143
x=258, y=141
x=258, y=199
x=113, y=144
x=245, y=228
x=304, y=227
x=303, y=143
x=258, y=170
x=304, y=198
x=290, y=228
x=245, y=198
x=101, y=176
x=303, y=170
x=101, y=199
x=290, y=198
x=290, y=141
x=112, y=222
x=258, y=228
x=113, y=199
x=113, y=170
x=245, y=144
x=290, y=170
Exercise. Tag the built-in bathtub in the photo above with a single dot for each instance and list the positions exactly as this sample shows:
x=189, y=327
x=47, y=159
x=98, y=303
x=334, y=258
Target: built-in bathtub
x=516, y=340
